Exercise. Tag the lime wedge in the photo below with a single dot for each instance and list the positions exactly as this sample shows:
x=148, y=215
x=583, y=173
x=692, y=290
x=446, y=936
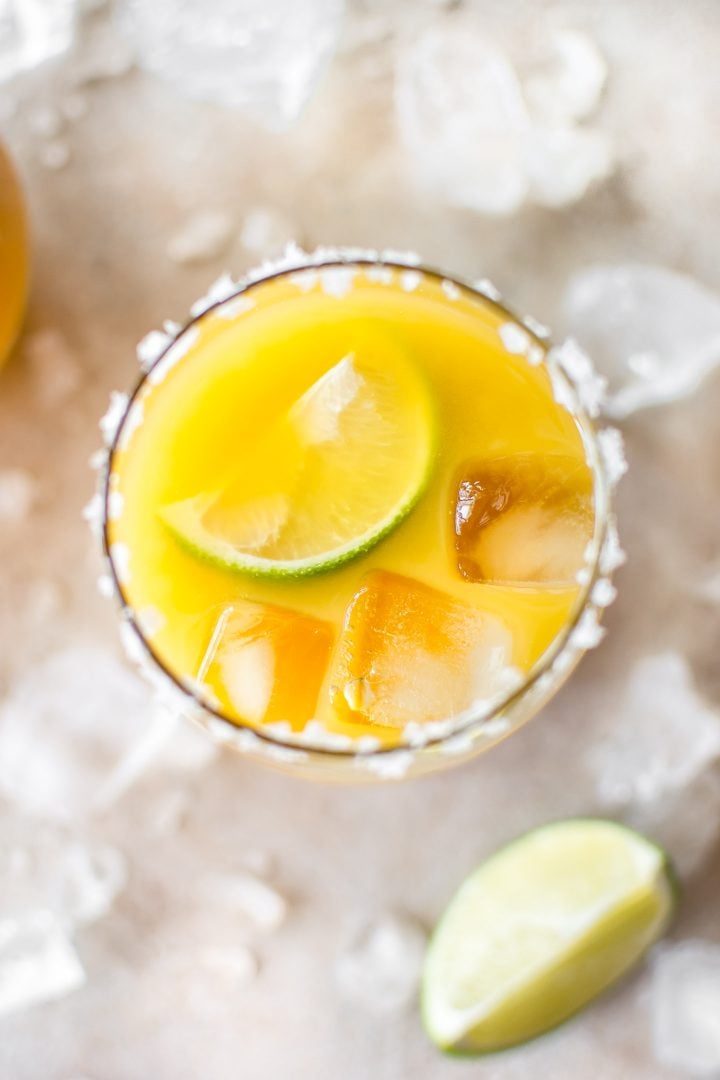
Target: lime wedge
x=539, y=930
x=329, y=478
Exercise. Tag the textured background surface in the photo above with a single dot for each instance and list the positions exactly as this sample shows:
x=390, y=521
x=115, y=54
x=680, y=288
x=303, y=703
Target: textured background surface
x=142, y=160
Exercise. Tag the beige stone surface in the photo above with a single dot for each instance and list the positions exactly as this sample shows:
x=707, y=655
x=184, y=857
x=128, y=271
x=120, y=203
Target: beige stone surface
x=142, y=161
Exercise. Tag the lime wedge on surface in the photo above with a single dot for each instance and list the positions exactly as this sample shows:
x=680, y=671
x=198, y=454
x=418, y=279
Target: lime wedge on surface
x=332, y=476
x=539, y=930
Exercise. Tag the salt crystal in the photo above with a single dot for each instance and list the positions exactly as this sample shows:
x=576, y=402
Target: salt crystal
x=150, y=620
x=612, y=453
x=409, y=280
x=265, y=231
x=514, y=338
x=383, y=275
x=37, y=962
x=337, y=281
x=263, y=56
x=151, y=347
x=120, y=555
x=222, y=288
x=391, y=765
x=486, y=287
x=450, y=289
x=685, y=1006
x=380, y=970
x=106, y=586
x=653, y=332
x=588, y=633
x=18, y=493
x=93, y=513
x=110, y=422
x=202, y=238
x=604, y=592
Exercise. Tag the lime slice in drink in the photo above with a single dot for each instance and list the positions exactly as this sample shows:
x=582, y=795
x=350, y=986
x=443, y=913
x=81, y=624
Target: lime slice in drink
x=539, y=930
x=332, y=476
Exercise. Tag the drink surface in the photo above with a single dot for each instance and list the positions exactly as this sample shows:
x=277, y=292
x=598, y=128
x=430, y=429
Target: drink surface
x=326, y=407
x=13, y=255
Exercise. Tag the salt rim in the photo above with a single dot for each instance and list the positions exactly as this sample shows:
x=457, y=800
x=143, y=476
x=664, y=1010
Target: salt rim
x=576, y=387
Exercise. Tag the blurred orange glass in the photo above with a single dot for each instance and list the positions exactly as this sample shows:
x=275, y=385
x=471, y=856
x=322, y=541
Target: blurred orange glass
x=13, y=255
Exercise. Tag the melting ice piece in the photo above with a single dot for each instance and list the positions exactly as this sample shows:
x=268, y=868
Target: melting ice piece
x=654, y=333
x=657, y=761
x=66, y=729
x=44, y=869
x=266, y=664
x=263, y=56
x=685, y=1006
x=37, y=962
x=660, y=736
x=522, y=519
x=461, y=115
x=32, y=31
x=410, y=654
x=380, y=970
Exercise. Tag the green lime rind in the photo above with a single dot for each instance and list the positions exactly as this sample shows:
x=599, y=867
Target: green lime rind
x=188, y=530
x=590, y=964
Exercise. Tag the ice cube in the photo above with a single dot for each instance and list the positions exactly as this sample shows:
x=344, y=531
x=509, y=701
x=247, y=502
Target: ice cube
x=561, y=162
x=566, y=84
x=409, y=653
x=33, y=31
x=520, y=519
x=67, y=729
x=263, y=56
x=659, y=737
x=18, y=492
x=203, y=237
x=685, y=1006
x=461, y=114
x=44, y=868
x=380, y=969
x=653, y=332
x=265, y=664
x=37, y=962
x=685, y=821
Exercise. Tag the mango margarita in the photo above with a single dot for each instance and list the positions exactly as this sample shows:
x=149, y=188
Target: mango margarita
x=346, y=501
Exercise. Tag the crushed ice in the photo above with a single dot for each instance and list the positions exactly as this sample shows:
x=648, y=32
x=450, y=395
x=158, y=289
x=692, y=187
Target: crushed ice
x=685, y=1006
x=379, y=971
x=486, y=139
x=653, y=332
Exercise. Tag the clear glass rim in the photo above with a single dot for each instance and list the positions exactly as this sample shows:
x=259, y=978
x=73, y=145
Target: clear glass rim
x=470, y=721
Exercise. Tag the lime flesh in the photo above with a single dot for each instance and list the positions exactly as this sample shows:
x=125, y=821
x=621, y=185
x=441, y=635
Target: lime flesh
x=328, y=480
x=539, y=930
